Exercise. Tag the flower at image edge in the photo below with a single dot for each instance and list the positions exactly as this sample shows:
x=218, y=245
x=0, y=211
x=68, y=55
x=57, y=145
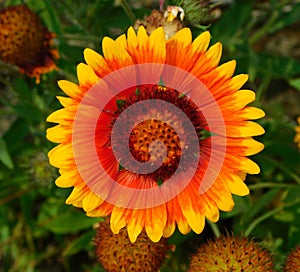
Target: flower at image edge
x=229, y=253
x=188, y=209
x=25, y=42
x=297, y=136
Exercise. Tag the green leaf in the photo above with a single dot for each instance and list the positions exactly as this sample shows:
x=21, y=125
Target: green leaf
x=295, y=83
x=293, y=194
x=285, y=216
x=286, y=18
x=79, y=244
x=29, y=112
x=5, y=156
x=227, y=31
x=259, y=205
x=15, y=135
x=47, y=12
x=71, y=223
x=120, y=104
x=277, y=66
x=242, y=204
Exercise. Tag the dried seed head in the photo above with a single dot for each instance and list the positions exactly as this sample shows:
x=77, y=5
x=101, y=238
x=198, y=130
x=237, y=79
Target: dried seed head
x=229, y=253
x=116, y=253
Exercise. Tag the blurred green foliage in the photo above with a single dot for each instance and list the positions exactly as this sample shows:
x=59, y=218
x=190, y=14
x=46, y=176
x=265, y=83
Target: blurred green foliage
x=38, y=232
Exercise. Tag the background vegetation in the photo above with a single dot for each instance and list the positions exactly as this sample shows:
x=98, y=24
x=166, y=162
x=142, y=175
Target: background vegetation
x=38, y=232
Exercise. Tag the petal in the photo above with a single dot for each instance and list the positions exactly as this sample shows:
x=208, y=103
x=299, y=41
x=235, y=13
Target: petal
x=237, y=186
x=227, y=69
x=182, y=37
x=243, y=146
x=61, y=156
x=68, y=178
x=116, y=56
x=169, y=229
x=91, y=202
x=59, y=134
x=236, y=100
x=76, y=195
x=157, y=45
x=194, y=218
x=243, y=129
x=243, y=164
x=142, y=36
x=121, y=41
x=103, y=210
x=252, y=113
x=71, y=89
x=183, y=226
x=200, y=44
x=212, y=212
x=238, y=81
x=66, y=101
x=117, y=219
x=63, y=116
x=214, y=54
x=136, y=224
x=96, y=62
x=155, y=222
x=86, y=75
x=132, y=38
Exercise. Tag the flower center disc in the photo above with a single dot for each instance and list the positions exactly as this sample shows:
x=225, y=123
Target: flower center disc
x=156, y=141
x=153, y=131
x=149, y=139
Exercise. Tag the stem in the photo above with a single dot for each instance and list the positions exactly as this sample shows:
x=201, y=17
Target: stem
x=214, y=228
x=267, y=215
x=262, y=31
x=128, y=11
x=284, y=169
x=16, y=194
x=262, y=88
x=79, y=38
x=268, y=185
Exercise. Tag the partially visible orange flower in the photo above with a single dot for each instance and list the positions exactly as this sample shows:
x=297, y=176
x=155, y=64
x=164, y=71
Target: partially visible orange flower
x=297, y=129
x=25, y=42
x=229, y=253
x=292, y=263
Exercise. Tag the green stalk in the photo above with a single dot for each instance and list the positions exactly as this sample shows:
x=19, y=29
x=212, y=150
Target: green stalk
x=268, y=185
x=214, y=228
x=267, y=215
x=128, y=11
x=293, y=175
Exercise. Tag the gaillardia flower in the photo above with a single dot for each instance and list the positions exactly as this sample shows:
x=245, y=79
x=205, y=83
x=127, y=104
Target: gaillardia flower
x=155, y=134
x=25, y=42
x=229, y=253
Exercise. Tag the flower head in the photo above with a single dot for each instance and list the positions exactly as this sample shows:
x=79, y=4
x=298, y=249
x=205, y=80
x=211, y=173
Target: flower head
x=155, y=134
x=297, y=136
x=292, y=263
x=198, y=12
x=116, y=253
x=229, y=253
x=25, y=42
